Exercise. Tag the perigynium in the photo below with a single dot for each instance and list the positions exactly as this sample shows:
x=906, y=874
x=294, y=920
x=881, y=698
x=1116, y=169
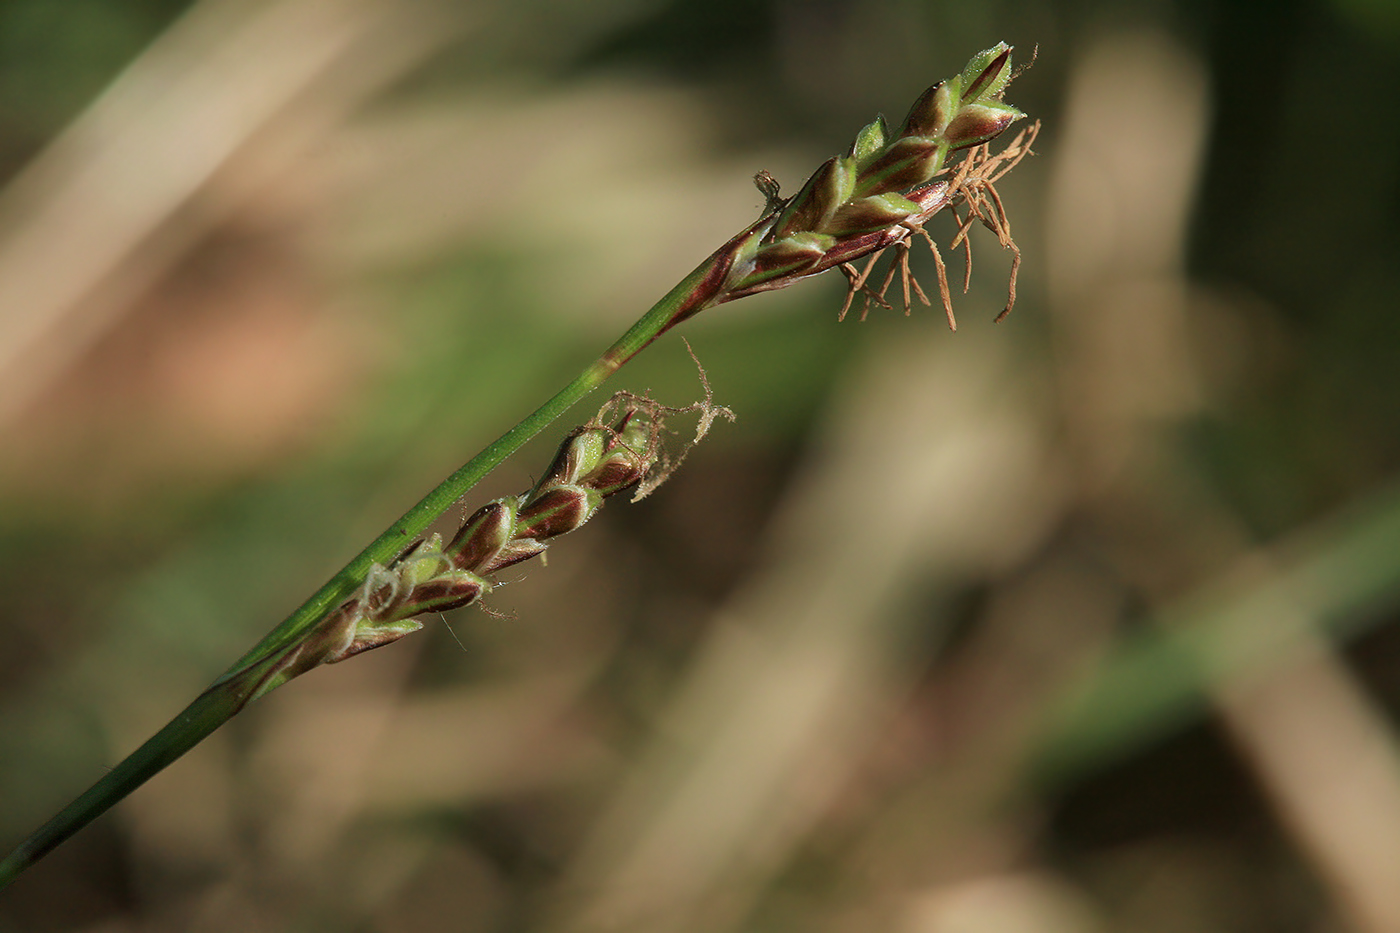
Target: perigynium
x=877, y=196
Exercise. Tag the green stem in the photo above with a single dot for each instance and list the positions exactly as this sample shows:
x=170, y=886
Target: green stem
x=744, y=259
x=244, y=680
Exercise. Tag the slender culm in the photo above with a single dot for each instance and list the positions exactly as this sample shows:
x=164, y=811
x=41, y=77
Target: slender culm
x=875, y=197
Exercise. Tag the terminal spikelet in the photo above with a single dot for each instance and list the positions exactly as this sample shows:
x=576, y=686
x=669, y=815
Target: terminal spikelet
x=880, y=194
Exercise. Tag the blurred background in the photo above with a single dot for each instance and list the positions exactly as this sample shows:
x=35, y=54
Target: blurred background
x=1086, y=621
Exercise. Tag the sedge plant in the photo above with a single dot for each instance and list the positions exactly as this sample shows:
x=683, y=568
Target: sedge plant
x=855, y=207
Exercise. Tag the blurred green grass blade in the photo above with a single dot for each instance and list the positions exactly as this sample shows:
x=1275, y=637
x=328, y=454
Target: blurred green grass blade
x=1334, y=579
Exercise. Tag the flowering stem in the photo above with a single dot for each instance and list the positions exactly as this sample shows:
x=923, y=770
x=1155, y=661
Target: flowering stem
x=874, y=198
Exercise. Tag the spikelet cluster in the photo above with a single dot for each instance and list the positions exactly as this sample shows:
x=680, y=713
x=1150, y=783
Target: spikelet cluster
x=879, y=194
x=868, y=190
x=595, y=461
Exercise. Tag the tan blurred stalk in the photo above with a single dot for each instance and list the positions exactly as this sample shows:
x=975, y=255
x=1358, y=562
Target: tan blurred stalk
x=115, y=200
x=1123, y=187
x=1327, y=758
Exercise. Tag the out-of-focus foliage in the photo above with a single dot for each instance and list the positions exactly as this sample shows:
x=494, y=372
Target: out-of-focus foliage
x=1082, y=622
